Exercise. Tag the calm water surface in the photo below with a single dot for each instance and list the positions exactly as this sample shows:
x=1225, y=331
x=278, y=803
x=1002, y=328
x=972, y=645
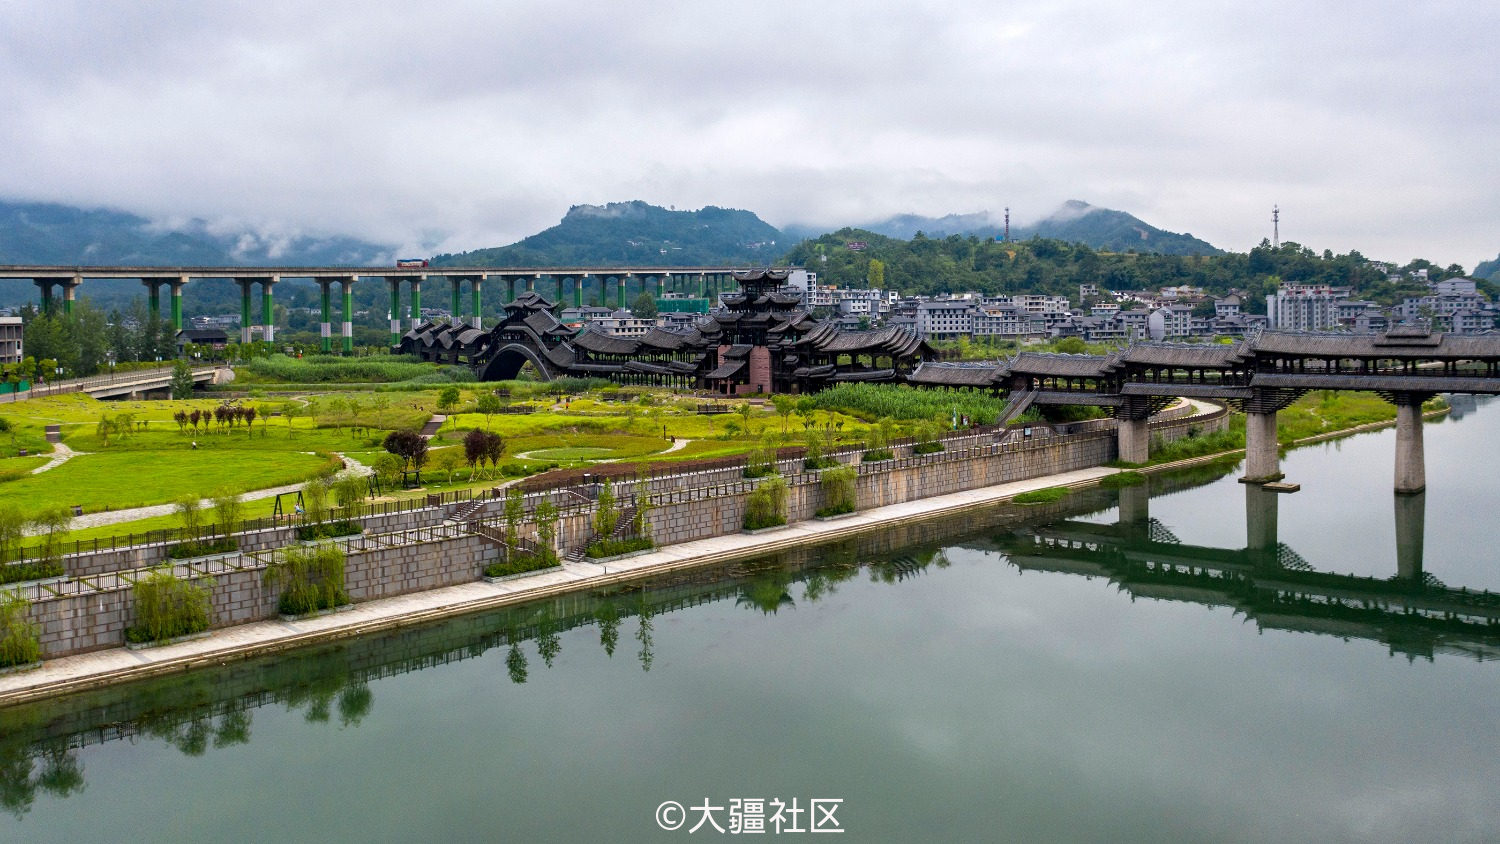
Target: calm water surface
x=1106, y=670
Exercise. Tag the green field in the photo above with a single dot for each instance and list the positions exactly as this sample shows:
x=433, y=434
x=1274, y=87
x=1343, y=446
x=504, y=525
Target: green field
x=118, y=480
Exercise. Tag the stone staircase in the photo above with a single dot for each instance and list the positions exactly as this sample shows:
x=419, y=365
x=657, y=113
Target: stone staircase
x=622, y=527
x=467, y=511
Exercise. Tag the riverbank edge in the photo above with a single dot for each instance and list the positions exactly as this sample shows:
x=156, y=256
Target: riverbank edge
x=1205, y=459
x=84, y=672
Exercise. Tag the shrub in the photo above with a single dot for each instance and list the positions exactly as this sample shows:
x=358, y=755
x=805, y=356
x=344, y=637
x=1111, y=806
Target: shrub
x=928, y=448
x=839, y=492
x=167, y=607
x=183, y=550
x=766, y=506
x=1042, y=496
x=519, y=564
x=311, y=579
x=328, y=530
x=877, y=454
x=606, y=515
x=616, y=547
x=32, y=570
x=20, y=643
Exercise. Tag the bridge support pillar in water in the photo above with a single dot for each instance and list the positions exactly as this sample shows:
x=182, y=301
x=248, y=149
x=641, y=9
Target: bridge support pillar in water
x=1411, y=524
x=1262, y=464
x=1261, y=506
x=1135, y=439
x=1411, y=468
x=1135, y=506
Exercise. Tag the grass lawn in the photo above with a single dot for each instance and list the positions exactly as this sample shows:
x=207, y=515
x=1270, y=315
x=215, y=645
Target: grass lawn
x=122, y=479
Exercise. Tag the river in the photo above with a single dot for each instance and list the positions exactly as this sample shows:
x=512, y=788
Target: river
x=1196, y=660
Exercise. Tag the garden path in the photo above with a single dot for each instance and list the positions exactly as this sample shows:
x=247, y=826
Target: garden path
x=60, y=455
x=677, y=445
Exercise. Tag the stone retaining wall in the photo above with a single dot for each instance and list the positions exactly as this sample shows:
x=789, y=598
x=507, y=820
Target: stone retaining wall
x=97, y=619
x=143, y=556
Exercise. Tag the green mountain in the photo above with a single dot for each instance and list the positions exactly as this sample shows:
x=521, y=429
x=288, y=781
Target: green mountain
x=1101, y=229
x=48, y=233
x=1488, y=269
x=636, y=233
x=1107, y=230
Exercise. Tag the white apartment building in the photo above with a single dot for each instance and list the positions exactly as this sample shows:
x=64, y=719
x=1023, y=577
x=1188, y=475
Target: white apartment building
x=945, y=319
x=1305, y=307
x=11, y=350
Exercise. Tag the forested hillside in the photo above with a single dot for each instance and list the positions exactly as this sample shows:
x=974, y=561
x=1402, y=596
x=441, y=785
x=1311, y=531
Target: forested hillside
x=954, y=264
x=636, y=233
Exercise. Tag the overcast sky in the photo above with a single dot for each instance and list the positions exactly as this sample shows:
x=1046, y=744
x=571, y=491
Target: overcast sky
x=449, y=126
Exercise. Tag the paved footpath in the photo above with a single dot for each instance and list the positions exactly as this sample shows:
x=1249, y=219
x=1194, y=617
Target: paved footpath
x=90, y=670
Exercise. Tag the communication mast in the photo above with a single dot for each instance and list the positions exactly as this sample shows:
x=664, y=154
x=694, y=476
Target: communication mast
x=1275, y=227
x=1007, y=225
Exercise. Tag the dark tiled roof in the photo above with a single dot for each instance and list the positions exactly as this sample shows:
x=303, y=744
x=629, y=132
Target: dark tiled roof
x=1077, y=366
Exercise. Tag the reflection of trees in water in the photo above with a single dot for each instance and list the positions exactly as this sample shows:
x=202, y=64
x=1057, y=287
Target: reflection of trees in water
x=607, y=616
x=643, y=634
x=24, y=771
x=206, y=710
x=767, y=591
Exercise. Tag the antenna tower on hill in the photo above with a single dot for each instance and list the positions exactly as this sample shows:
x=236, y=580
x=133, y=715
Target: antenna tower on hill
x=1007, y=225
x=1275, y=227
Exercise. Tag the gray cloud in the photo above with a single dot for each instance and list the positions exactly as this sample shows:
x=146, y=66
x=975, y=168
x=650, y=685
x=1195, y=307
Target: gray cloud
x=474, y=124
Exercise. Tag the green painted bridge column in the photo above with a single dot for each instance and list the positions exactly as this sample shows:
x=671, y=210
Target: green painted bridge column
x=70, y=290
x=176, y=285
x=578, y=290
x=348, y=327
x=153, y=297
x=454, y=311
x=395, y=284
x=325, y=334
x=416, y=300
x=620, y=291
x=245, y=285
x=45, y=286
x=268, y=307
x=474, y=284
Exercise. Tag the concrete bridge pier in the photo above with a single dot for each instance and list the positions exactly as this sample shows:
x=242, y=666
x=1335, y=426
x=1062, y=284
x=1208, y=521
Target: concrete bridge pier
x=347, y=285
x=1261, y=511
x=325, y=328
x=268, y=307
x=416, y=299
x=153, y=297
x=1411, y=530
x=1135, y=506
x=176, y=286
x=1135, y=439
x=476, y=299
x=1262, y=461
x=245, y=285
x=456, y=310
x=1133, y=429
x=1411, y=468
x=395, y=283
x=70, y=292
x=45, y=286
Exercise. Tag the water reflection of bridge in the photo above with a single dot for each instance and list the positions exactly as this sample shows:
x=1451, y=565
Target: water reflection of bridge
x=1411, y=612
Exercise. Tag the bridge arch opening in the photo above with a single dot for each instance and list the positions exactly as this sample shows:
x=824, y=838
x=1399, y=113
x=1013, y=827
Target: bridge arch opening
x=508, y=362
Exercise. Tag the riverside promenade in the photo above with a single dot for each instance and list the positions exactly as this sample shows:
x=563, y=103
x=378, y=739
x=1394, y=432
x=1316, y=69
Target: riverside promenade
x=69, y=674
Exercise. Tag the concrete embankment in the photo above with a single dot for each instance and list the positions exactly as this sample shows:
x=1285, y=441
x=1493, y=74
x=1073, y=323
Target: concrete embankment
x=89, y=670
x=410, y=577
